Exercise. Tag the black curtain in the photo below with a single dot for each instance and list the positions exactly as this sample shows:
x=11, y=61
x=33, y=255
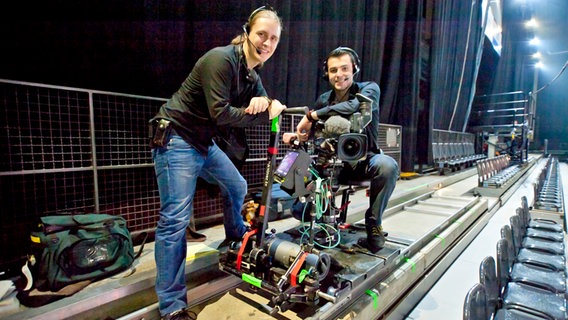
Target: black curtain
x=456, y=35
x=148, y=47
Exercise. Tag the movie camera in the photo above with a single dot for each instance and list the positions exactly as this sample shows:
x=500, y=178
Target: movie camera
x=343, y=139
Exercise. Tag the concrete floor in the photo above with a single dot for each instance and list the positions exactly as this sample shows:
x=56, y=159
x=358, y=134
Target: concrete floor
x=443, y=301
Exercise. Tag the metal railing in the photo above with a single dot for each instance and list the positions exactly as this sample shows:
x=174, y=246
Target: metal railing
x=77, y=150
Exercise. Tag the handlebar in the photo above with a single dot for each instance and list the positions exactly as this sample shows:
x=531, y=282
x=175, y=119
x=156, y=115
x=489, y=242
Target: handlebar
x=296, y=110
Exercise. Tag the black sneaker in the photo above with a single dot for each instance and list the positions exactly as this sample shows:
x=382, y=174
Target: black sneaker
x=182, y=314
x=375, y=239
x=230, y=240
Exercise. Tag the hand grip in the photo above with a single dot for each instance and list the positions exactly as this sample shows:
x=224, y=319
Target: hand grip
x=296, y=110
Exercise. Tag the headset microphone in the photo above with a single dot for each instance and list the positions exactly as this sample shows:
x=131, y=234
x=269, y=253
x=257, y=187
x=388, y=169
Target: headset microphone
x=250, y=42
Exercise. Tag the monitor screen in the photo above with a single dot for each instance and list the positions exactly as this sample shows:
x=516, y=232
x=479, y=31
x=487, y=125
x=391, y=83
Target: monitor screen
x=286, y=164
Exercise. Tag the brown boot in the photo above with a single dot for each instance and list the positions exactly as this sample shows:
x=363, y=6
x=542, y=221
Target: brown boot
x=191, y=234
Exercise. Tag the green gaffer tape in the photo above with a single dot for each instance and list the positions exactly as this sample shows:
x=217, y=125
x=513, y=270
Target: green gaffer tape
x=303, y=274
x=375, y=298
x=252, y=280
x=274, y=125
x=443, y=239
x=413, y=268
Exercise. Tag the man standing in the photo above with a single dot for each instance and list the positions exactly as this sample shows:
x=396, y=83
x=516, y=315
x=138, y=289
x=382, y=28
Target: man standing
x=222, y=90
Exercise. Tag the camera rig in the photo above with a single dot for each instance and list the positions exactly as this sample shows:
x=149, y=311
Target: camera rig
x=293, y=269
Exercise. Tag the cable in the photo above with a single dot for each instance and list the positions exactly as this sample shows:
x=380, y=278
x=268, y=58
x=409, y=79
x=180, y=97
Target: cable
x=321, y=204
x=551, y=81
x=325, y=263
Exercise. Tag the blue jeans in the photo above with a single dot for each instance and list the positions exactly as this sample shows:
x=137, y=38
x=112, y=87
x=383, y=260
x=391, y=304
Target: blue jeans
x=383, y=172
x=178, y=165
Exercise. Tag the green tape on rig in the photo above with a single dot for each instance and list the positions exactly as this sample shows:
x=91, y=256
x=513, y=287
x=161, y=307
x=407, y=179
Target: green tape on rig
x=413, y=268
x=252, y=280
x=274, y=125
x=375, y=298
x=302, y=275
x=458, y=222
x=443, y=239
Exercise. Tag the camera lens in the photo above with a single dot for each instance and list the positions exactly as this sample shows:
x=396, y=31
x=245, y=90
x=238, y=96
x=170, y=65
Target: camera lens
x=351, y=147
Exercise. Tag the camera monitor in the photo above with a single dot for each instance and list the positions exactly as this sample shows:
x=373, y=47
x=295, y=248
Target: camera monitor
x=286, y=164
x=292, y=171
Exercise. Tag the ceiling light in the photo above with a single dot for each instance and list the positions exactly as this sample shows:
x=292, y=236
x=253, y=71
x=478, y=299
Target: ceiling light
x=531, y=23
x=534, y=41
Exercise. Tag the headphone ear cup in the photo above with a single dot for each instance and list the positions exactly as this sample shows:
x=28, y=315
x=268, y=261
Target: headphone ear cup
x=354, y=58
x=325, y=75
x=356, y=61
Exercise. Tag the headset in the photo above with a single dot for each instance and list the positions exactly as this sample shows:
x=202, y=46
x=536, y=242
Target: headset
x=340, y=51
x=246, y=26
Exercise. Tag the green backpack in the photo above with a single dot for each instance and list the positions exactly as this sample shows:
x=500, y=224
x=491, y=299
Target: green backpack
x=73, y=248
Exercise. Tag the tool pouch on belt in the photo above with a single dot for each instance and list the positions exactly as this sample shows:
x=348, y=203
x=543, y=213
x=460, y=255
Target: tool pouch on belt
x=159, y=132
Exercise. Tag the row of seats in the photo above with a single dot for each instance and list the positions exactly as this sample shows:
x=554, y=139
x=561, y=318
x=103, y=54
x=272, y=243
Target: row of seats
x=527, y=280
x=548, y=188
x=454, y=155
x=495, y=172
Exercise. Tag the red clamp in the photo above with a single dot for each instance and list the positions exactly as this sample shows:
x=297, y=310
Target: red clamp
x=297, y=268
x=242, y=248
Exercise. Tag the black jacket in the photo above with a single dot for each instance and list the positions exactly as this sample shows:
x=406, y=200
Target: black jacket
x=214, y=96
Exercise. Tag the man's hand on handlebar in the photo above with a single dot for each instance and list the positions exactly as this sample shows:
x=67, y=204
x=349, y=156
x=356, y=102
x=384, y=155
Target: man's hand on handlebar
x=303, y=129
x=290, y=138
x=275, y=108
x=257, y=104
x=261, y=104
